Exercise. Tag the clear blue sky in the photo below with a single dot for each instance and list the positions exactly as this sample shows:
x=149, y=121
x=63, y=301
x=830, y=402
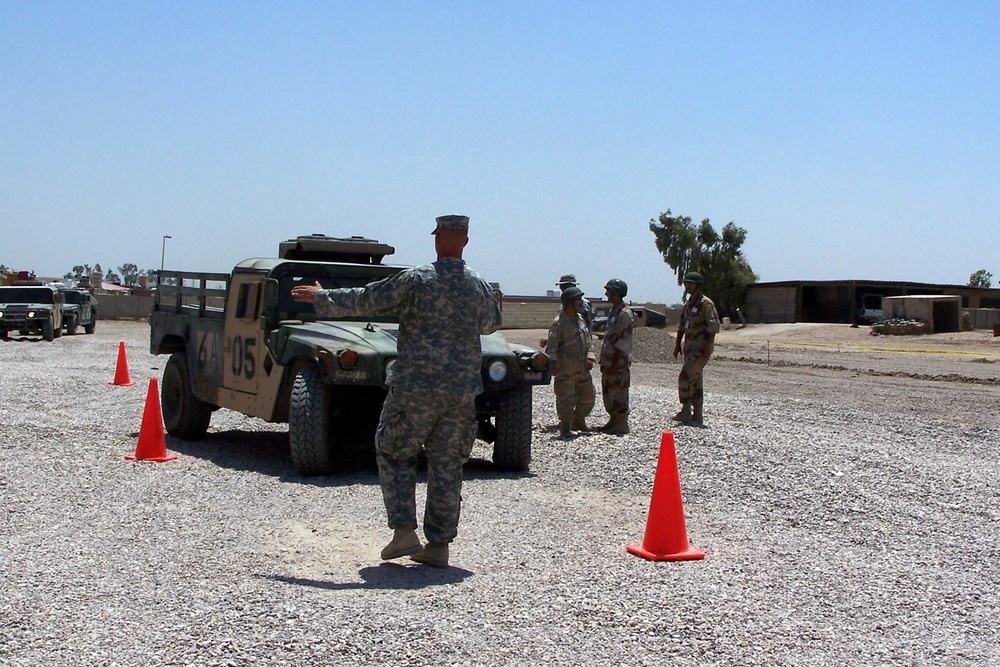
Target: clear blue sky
x=850, y=139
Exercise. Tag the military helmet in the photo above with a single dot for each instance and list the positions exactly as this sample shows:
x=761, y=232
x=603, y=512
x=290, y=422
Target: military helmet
x=617, y=286
x=570, y=295
x=694, y=277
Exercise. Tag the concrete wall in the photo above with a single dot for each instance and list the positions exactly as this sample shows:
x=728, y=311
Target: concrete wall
x=777, y=304
x=942, y=313
x=123, y=306
x=984, y=318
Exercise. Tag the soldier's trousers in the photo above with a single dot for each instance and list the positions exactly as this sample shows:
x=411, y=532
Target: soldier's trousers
x=445, y=427
x=690, y=389
x=614, y=388
x=575, y=395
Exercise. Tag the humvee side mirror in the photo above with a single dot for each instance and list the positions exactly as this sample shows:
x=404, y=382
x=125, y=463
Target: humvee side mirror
x=269, y=313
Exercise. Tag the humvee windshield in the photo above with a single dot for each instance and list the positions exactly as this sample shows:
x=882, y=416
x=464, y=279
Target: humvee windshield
x=330, y=277
x=26, y=295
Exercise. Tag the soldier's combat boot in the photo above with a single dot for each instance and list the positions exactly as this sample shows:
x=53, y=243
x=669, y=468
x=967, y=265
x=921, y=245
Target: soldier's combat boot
x=404, y=542
x=696, y=418
x=564, y=430
x=579, y=424
x=434, y=554
x=619, y=425
x=684, y=416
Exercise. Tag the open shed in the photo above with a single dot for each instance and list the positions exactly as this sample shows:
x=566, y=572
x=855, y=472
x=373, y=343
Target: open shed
x=942, y=312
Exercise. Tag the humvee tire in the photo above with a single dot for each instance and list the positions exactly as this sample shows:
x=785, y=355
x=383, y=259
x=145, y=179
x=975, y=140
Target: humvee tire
x=184, y=414
x=71, y=325
x=48, y=330
x=512, y=448
x=309, y=435
x=91, y=327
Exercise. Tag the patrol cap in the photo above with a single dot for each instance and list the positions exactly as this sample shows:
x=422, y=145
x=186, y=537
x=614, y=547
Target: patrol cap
x=570, y=295
x=694, y=277
x=567, y=279
x=457, y=222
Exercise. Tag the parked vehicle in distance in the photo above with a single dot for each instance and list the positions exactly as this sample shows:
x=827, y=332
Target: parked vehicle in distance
x=644, y=317
x=79, y=310
x=240, y=341
x=870, y=309
x=30, y=308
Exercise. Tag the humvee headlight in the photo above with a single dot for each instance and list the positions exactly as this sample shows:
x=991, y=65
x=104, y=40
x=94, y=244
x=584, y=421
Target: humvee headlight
x=31, y=313
x=539, y=361
x=497, y=370
x=347, y=359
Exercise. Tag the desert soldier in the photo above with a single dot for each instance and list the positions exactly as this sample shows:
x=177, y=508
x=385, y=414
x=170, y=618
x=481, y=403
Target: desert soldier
x=616, y=358
x=571, y=354
x=698, y=326
x=567, y=281
x=443, y=308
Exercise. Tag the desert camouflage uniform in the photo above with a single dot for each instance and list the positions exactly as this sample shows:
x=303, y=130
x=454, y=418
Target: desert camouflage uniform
x=569, y=346
x=698, y=319
x=616, y=358
x=442, y=308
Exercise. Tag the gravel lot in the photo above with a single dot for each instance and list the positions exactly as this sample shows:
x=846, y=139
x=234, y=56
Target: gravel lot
x=846, y=493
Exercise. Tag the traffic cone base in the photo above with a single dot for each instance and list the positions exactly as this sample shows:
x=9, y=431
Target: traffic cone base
x=666, y=534
x=152, y=445
x=122, y=378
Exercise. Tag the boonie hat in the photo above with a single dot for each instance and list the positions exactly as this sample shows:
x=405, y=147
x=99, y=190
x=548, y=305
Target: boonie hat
x=567, y=279
x=460, y=222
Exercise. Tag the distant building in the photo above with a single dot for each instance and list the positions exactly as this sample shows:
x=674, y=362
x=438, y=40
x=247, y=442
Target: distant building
x=845, y=301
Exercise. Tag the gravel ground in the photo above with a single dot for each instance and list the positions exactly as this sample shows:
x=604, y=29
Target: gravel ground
x=848, y=501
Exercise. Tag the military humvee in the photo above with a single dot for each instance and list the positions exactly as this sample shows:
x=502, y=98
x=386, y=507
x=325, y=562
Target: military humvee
x=30, y=308
x=239, y=341
x=79, y=309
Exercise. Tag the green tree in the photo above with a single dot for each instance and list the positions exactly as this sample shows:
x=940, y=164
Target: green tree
x=981, y=278
x=129, y=274
x=718, y=257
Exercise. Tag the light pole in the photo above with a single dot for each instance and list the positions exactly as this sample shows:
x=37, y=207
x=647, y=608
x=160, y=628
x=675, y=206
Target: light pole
x=163, y=254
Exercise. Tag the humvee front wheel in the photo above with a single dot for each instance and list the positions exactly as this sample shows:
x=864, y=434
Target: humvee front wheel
x=90, y=328
x=309, y=424
x=71, y=325
x=512, y=448
x=184, y=414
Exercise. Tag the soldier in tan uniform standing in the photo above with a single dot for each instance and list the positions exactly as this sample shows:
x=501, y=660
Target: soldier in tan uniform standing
x=443, y=308
x=698, y=326
x=571, y=354
x=616, y=358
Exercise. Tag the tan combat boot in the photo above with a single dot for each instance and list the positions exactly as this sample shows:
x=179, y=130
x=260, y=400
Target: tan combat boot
x=404, y=542
x=684, y=416
x=619, y=425
x=434, y=554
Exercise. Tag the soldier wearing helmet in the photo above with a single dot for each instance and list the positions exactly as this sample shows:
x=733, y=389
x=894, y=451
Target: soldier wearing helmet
x=568, y=280
x=572, y=357
x=616, y=358
x=696, y=331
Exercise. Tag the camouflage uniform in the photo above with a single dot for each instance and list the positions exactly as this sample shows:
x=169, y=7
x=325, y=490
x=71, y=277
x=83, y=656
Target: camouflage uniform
x=442, y=308
x=616, y=358
x=698, y=319
x=569, y=346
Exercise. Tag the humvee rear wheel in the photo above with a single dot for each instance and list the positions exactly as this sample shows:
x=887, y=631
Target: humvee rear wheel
x=309, y=424
x=48, y=330
x=184, y=414
x=71, y=325
x=512, y=448
x=89, y=328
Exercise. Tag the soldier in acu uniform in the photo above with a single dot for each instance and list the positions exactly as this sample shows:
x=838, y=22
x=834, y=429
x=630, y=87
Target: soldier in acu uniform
x=698, y=326
x=443, y=308
x=616, y=358
x=571, y=354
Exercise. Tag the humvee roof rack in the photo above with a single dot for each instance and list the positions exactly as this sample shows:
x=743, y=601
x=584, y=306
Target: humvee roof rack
x=322, y=248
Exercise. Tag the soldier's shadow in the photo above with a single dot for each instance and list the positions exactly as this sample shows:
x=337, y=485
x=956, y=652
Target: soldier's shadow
x=386, y=576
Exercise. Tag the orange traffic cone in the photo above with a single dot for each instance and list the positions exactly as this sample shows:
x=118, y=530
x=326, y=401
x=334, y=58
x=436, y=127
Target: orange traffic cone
x=152, y=445
x=666, y=534
x=121, y=371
